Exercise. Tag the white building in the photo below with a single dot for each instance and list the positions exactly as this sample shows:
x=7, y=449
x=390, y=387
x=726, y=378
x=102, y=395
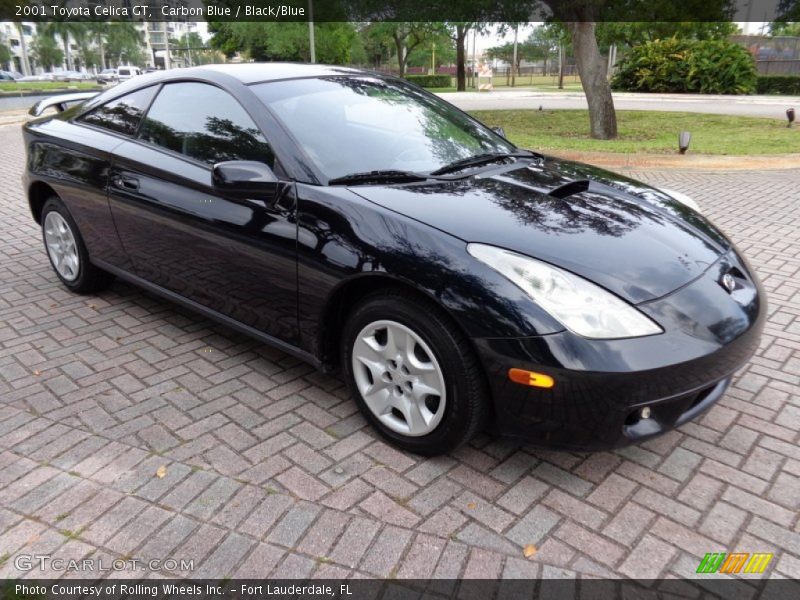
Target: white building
x=154, y=35
x=10, y=36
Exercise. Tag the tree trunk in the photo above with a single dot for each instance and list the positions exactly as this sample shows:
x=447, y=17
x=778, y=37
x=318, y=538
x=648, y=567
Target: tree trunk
x=592, y=71
x=67, y=52
x=402, y=55
x=461, y=71
x=102, y=52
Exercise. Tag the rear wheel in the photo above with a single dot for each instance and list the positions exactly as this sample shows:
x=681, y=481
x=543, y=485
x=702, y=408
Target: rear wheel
x=67, y=252
x=413, y=373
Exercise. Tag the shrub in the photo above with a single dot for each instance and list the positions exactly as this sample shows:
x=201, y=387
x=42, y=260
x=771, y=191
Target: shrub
x=431, y=81
x=788, y=85
x=693, y=66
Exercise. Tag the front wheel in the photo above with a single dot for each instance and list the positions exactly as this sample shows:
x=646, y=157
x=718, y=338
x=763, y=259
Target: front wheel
x=413, y=373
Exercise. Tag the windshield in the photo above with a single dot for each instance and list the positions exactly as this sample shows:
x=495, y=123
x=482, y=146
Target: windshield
x=359, y=124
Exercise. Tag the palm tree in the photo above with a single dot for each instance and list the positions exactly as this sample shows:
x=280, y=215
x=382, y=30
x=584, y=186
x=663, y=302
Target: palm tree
x=97, y=31
x=65, y=30
x=123, y=38
x=46, y=52
x=23, y=48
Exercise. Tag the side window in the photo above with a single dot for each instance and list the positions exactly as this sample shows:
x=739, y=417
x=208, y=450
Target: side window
x=122, y=114
x=204, y=123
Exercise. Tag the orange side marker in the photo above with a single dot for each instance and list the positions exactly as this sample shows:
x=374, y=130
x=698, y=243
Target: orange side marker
x=531, y=378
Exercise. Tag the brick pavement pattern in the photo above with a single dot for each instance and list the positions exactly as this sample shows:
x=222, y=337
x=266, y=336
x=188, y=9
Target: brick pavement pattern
x=271, y=471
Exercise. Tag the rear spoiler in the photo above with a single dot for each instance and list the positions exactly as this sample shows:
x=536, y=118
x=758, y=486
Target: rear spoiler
x=60, y=102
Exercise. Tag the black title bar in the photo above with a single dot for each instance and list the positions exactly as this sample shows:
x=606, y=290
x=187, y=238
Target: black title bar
x=402, y=10
x=413, y=589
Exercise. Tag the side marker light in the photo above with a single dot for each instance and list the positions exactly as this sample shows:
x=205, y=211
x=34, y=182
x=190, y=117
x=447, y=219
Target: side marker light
x=531, y=378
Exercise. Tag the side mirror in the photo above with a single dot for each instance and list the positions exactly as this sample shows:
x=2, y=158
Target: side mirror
x=499, y=131
x=244, y=178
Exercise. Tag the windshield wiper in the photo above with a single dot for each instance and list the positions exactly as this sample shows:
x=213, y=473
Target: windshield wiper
x=481, y=159
x=386, y=176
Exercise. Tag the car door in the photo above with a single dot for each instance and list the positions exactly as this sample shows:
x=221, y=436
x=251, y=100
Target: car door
x=234, y=256
x=76, y=159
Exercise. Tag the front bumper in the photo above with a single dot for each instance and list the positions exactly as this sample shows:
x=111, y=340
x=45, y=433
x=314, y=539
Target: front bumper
x=602, y=385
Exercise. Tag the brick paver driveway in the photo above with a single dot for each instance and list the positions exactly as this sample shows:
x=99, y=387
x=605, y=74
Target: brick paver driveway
x=270, y=470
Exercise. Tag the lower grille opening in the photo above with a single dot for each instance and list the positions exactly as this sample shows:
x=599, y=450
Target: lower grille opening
x=702, y=395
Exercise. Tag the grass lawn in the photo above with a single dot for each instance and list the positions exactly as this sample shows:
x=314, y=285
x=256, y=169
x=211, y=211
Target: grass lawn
x=13, y=86
x=645, y=131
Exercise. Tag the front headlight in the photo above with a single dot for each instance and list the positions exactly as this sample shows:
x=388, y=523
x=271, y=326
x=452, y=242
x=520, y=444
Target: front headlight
x=581, y=306
x=682, y=198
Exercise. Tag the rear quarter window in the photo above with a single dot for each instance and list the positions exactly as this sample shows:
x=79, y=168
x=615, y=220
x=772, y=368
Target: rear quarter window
x=123, y=114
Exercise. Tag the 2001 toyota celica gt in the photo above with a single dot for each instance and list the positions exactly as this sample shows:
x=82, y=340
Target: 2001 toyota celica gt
x=356, y=221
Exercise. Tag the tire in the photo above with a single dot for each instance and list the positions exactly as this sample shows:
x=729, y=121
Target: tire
x=67, y=252
x=441, y=359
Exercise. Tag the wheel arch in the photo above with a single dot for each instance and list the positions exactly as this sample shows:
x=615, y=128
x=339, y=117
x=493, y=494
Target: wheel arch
x=38, y=193
x=347, y=294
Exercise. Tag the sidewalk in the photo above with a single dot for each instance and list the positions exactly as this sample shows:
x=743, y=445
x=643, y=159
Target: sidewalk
x=511, y=99
x=11, y=117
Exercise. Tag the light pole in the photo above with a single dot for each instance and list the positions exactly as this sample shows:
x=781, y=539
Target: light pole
x=167, y=60
x=311, y=43
x=474, y=52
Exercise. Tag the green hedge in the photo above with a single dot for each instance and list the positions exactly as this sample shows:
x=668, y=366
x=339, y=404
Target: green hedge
x=693, y=66
x=788, y=85
x=431, y=81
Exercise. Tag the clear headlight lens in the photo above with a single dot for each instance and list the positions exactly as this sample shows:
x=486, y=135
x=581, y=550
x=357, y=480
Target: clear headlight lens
x=581, y=306
x=682, y=198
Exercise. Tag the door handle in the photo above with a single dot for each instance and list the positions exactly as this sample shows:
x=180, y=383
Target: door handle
x=124, y=182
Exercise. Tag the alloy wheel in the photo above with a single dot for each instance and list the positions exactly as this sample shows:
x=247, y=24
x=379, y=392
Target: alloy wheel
x=61, y=246
x=399, y=378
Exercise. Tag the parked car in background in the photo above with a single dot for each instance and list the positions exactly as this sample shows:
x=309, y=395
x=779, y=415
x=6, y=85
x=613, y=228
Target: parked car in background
x=77, y=76
x=9, y=75
x=108, y=76
x=40, y=77
x=125, y=73
x=361, y=223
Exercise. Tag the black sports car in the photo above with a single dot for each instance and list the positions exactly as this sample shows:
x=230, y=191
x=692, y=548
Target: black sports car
x=357, y=221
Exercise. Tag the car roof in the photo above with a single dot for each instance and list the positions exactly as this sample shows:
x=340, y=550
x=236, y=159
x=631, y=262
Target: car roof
x=249, y=73
x=246, y=73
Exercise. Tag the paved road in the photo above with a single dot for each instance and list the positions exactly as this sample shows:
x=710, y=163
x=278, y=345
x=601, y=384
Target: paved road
x=269, y=469
x=755, y=106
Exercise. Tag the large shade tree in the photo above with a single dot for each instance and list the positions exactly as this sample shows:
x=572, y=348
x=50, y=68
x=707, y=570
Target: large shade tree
x=403, y=37
x=271, y=41
x=635, y=33
x=581, y=18
x=788, y=28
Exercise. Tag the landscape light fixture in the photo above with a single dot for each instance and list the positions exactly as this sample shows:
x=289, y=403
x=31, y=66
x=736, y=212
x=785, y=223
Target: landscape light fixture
x=790, y=116
x=684, y=137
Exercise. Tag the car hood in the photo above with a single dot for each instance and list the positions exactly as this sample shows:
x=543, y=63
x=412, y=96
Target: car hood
x=622, y=234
